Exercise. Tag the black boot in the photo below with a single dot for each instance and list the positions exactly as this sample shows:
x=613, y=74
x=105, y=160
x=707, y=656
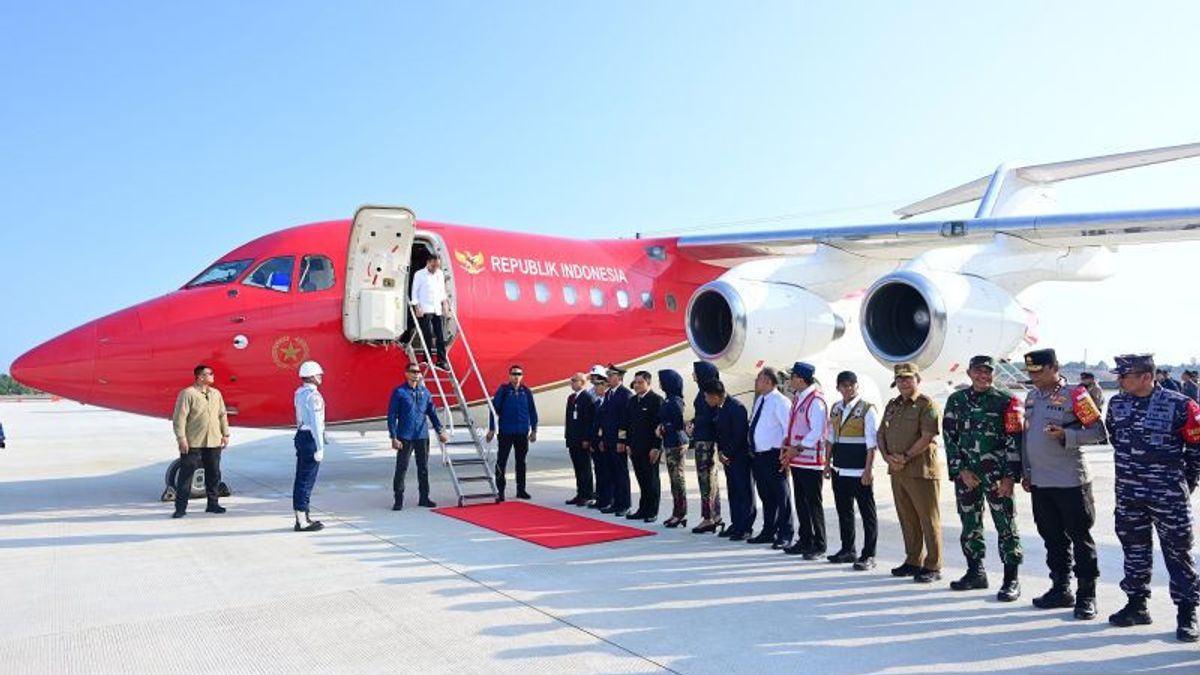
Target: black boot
x=1011, y=589
x=1186, y=622
x=974, y=578
x=1085, y=600
x=214, y=507
x=1059, y=595
x=1134, y=613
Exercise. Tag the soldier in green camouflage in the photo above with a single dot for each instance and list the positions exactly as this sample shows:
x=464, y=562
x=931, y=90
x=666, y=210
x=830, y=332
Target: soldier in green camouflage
x=982, y=429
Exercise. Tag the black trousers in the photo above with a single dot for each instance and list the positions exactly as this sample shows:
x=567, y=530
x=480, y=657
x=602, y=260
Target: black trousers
x=807, y=488
x=649, y=479
x=506, y=444
x=420, y=447
x=848, y=490
x=210, y=458
x=581, y=463
x=618, y=473
x=739, y=483
x=603, y=467
x=1064, y=518
x=775, y=496
x=434, y=330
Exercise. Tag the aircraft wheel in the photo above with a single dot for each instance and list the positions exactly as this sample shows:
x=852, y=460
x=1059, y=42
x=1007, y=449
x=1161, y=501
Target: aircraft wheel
x=197, y=481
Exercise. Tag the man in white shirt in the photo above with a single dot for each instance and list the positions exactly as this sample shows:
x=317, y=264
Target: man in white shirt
x=430, y=302
x=853, y=429
x=309, y=442
x=768, y=431
x=804, y=454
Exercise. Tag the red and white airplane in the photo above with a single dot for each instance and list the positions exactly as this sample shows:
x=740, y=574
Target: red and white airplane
x=936, y=293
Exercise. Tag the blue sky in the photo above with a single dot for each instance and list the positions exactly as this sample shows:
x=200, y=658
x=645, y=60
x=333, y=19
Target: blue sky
x=140, y=141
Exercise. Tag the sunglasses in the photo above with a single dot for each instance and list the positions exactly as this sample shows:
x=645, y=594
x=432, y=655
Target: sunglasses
x=414, y=371
x=516, y=373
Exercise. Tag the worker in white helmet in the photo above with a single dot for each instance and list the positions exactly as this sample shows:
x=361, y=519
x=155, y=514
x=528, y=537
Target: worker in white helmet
x=310, y=443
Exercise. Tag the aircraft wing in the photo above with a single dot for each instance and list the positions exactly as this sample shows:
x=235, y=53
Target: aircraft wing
x=903, y=240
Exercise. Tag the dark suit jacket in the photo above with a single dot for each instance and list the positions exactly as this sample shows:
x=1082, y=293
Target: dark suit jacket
x=733, y=428
x=641, y=421
x=580, y=414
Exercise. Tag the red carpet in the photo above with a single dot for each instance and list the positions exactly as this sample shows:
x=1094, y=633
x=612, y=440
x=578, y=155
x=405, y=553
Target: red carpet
x=542, y=526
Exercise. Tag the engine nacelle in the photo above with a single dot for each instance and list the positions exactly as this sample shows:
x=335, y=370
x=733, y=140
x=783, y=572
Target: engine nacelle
x=939, y=319
x=741, y=324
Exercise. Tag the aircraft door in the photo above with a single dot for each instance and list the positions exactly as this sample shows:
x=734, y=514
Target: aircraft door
x=374, y=306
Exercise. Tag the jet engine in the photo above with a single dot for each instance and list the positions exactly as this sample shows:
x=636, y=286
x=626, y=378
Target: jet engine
x=741, y=324
x=938, y=319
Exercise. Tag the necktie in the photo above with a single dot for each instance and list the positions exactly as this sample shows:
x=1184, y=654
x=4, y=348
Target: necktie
x=571, y=400
x=754, y=422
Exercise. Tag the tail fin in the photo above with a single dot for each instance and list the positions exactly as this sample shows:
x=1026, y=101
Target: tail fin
x=1016, y=189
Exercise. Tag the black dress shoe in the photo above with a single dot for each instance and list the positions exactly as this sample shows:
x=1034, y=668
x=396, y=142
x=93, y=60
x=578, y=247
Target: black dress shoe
x=573, y=501
x=427, y=503
x=649, y=519
x=927, y=576
x=905, y=570
x=781, y=545
x=179, y=514
x=634, y=516
x=623, y=513
x=726, y=533
x=398, y=506
x=813, y=555
x=707, y=529
x=761, y=539
x=796, y=549
x=606, y=509
x=523, y=495
x=586, y=502
x=214, y=508
x=314, y=526
x=841, y=557
x=739, y=536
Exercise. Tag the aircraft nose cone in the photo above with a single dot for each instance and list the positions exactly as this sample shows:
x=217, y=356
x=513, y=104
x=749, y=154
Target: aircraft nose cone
x=64, y=366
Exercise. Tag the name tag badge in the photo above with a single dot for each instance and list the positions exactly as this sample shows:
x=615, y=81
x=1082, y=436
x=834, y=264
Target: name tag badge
x=574, y=414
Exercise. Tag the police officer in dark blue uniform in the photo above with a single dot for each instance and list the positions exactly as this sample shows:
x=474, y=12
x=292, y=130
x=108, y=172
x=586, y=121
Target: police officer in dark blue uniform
x=1155, y=435
x=610, y=420
x=1190, y=387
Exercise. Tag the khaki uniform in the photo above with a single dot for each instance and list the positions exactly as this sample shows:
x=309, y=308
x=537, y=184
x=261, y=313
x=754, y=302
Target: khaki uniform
x=917, y=486
x=200, y=418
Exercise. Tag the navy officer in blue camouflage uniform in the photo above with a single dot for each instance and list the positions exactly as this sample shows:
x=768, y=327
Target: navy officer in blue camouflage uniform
x=1155, y=435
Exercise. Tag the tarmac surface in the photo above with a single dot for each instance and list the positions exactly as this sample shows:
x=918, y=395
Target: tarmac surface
x=95, y=577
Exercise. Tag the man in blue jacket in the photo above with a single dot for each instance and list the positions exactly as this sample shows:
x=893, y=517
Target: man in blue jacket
x=611, y=425
x=411, y=404
x=733, y=442
x=581, y=408
x=514, y=404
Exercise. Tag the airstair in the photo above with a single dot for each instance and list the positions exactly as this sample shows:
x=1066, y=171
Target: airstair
x=1008, y=375
x=466, y=455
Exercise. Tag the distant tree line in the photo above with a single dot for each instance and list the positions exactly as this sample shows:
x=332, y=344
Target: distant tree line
x=10, y=387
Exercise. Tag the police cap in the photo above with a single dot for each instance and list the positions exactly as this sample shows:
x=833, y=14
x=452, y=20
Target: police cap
x=614, y=370
x=1035, y=361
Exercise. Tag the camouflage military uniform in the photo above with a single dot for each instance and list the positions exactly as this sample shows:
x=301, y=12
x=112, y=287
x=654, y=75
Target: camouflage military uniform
x=1156, y=450
x=978, y=440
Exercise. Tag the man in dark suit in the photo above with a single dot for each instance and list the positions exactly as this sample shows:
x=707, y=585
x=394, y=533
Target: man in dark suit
x=581, y=409
x=733, y=443
x=645, y=447
x=610, y=424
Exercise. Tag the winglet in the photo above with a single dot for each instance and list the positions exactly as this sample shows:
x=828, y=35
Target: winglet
x=1008, y=191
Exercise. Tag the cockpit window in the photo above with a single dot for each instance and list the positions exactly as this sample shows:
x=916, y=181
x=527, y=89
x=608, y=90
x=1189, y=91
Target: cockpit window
x=274, y=274
x=316, y=273
x=220, y=273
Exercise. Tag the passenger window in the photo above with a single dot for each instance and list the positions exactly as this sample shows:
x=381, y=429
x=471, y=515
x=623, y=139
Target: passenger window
x=512, y=290
x=671, y=304
x=570, y=296
x=647, y=300
x=220, y=273
x=622, y=299
x=274, y=274
x=316, y=273
x=597, y=297
x=541, y=292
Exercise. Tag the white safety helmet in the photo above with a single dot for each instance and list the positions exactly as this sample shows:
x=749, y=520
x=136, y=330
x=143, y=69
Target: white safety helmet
x=310, y=369
x=598, y=371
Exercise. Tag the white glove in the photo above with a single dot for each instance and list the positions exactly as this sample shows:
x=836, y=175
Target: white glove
x=319, y=455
